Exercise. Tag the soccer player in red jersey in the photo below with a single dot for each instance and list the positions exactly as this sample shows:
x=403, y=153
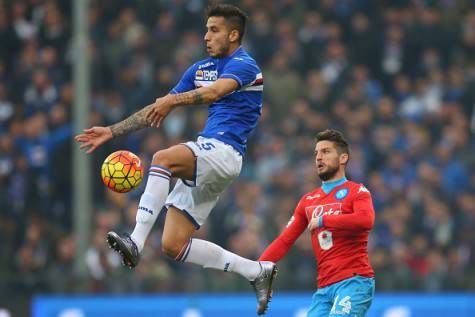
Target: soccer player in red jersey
x=339, y=216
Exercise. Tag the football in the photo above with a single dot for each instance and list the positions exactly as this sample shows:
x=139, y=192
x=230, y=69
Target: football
x=122, y=171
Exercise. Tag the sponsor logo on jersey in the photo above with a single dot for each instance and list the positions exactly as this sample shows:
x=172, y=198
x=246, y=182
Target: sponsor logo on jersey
x=208, y=75
x=323, y=210
x=341, y=193
x=313, y=197
x=205, y=65
x=362, y=189
x=199, y=75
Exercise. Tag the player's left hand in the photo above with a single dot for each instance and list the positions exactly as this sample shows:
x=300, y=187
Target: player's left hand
x=159, y=111
x=93, y=137
x=316, y=222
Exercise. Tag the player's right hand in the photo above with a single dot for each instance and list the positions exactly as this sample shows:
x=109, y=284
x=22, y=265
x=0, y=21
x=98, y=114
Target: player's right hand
x=315, y=223
x=93, y=137
x=159, y=111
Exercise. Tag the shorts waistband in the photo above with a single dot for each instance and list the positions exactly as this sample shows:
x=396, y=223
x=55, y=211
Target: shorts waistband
x=221, y=142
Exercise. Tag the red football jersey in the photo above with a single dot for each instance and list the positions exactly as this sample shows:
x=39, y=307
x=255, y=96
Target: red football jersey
x=341, y=244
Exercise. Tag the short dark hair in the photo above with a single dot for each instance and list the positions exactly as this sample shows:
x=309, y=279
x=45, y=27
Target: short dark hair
x=236, y=17
x=337, y=138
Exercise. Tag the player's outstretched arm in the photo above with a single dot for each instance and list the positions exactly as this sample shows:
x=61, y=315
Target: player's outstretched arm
x=93, y=137
x=282, y=244
x=203, y=95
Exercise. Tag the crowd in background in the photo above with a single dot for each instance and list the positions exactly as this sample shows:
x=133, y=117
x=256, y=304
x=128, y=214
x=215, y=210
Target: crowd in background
x=397, y=77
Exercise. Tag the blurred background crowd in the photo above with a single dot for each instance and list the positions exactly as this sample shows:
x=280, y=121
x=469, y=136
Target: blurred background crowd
x=397, y=77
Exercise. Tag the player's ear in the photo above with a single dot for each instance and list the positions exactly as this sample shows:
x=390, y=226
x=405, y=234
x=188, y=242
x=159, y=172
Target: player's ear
x=344, y=157
x=234, y=36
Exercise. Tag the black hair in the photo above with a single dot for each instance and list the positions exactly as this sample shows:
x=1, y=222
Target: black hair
x=337, y=138
x=234, y=16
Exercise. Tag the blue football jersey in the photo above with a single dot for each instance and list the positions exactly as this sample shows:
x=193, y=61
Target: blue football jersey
x=234, y=116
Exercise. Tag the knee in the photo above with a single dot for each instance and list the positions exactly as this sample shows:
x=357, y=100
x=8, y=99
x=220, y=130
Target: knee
x=171, y=248
x=162, y=158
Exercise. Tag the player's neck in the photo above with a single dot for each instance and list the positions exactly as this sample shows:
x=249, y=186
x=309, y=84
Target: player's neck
x=335, y=180
x=233, y=48
x=337, y=177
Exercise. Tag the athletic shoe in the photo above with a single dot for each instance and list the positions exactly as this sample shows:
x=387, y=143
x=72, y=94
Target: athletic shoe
x=263, y=285
x=126, y=247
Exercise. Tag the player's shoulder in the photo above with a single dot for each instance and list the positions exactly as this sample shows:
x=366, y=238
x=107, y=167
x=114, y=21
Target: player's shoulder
x=242, y=57
x=357, y=188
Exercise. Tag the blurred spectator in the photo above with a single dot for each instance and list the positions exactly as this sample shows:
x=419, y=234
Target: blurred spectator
x=63, y=266
x=282, y=86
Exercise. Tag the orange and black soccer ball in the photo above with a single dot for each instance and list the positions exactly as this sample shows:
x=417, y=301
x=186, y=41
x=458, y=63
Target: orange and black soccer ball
x=122, y=171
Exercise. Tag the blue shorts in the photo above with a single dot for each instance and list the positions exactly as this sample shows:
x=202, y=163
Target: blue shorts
x=350, y=297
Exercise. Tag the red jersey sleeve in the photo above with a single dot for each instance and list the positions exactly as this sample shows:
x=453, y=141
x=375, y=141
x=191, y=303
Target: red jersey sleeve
x=282, y=244
x=362, y=217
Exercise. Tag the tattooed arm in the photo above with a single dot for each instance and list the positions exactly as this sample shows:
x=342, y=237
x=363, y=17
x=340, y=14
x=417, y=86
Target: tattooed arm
x=163, y=105
x=154, y=114
x=199, y=96
x=203, y=95
x=93, y=137
x=133, y=123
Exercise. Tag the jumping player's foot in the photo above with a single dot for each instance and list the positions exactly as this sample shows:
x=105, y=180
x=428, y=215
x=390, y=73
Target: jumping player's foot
x=263, y=285
x=125, y=247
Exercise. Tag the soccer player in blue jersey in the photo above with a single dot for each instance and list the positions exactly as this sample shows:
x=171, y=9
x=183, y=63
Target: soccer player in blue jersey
x=231, y=83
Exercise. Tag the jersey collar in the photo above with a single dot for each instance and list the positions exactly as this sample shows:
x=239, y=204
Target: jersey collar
x=239, y=49
x=226, y=58
x=329, y=186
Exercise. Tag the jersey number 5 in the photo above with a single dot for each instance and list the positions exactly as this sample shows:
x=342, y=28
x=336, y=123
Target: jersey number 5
x=205, y=146
x=325, y=239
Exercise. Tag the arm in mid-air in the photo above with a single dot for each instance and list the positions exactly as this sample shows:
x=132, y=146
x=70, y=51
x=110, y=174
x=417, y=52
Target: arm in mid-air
x=93, y=137
x=163, y=105
x=153, y=114
x=282, y=244
x=362, y=217
x=136, y=121
x=203, y=95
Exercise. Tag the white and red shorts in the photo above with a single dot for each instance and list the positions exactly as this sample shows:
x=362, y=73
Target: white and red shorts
x=217, y=165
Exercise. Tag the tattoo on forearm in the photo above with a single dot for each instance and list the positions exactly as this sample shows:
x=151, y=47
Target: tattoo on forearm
x=193, y=97
x=197, y=97
x=133, y=123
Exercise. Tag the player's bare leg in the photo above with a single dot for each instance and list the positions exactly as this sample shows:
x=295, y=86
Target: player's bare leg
x=176, y=161
x=177, y=233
